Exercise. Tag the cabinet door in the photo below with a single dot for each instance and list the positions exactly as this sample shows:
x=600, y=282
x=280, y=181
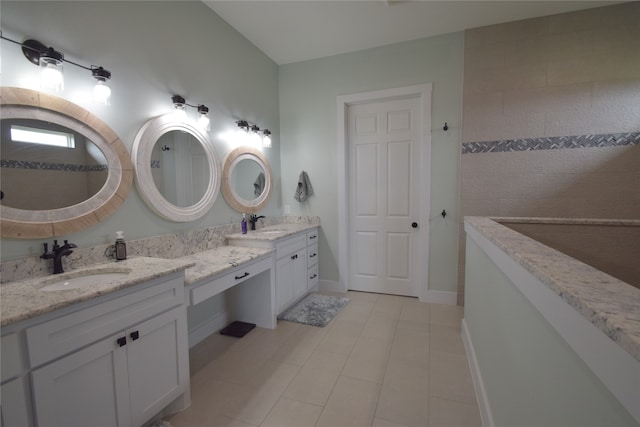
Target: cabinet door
x=300, y=273
x=284, y=282
x=15, y=409
x=158, y=363
x=86, y=388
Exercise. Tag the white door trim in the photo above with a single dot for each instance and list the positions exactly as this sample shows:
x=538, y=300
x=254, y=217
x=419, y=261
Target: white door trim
x=423, y=91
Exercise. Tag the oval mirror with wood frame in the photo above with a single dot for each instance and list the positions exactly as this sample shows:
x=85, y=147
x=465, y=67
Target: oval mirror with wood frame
x=176, y=168
x=63, y=169
x=246, y=180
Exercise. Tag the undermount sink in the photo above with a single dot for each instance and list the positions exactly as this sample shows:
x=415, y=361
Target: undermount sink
x=85, y=280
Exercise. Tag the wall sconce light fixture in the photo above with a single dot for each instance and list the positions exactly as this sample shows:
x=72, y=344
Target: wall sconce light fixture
x=180, y=105
x=51, y=66
x=254, y=131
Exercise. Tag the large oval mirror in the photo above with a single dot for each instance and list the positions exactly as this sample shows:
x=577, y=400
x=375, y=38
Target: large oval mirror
x=62, y=168
x=246, y=180
x=176, y=168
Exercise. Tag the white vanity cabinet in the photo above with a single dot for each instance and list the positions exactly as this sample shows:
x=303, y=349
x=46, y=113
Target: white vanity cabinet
x=291, y=271
x=312, y=258
x=113, y=363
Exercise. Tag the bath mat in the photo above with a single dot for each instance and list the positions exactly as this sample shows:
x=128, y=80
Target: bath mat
x=315, y=310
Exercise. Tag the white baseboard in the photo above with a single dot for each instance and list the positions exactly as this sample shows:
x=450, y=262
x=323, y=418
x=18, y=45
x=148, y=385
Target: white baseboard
x=331, y=286
x=441, y=297
x=207, y=328
x=478, y=384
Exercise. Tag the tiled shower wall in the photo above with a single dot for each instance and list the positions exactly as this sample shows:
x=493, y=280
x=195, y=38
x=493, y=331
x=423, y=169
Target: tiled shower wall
x=551, y=124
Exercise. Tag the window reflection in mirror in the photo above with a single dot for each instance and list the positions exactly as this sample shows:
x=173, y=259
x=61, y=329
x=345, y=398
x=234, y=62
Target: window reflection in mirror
x=180, y=168
x=41, y=174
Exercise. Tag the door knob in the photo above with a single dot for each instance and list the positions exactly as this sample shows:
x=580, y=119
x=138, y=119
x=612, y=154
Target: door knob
x=414, y=225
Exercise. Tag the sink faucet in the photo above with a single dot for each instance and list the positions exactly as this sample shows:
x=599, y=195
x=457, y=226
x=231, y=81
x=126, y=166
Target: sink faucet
x=57, y=252
x=253, y=219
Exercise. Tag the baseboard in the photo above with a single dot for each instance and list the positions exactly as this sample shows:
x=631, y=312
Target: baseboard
x=330, y=286
x=441, y=297
x=478, y=384
x=207, y=328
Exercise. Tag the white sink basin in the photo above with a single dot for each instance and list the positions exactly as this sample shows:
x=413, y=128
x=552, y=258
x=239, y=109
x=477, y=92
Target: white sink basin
x=90, y=279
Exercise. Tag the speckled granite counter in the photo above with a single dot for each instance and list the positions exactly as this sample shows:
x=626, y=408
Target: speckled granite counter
x=610, y=304
x=218, y=260
x=272, y=233
x=24, y=300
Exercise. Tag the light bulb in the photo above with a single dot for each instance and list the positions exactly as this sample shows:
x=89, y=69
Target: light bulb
x=266, y=141
x=102, y=93
x=51, y=77
x=204, y=122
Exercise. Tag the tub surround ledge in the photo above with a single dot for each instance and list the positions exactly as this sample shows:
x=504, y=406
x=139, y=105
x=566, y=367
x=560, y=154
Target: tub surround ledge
x=611, y=305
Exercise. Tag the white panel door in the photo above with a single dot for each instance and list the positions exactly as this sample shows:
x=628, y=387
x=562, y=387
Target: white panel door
x=384, y=151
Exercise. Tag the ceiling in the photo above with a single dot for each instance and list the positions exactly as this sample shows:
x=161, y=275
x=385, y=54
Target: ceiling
x=293, y=31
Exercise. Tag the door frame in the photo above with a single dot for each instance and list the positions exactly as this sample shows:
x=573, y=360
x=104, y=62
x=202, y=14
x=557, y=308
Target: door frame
x=423, y=92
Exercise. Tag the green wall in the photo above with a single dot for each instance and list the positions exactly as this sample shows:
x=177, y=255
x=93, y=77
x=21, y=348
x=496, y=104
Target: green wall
x=154, y=50
x=531, y=375
x=308, y=124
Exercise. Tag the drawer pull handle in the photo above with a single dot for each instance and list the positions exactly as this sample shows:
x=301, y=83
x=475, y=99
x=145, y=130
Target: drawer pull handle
x=313, y=277
x=294, y=256
x=312, y=237
x=312, y=255
x=122, y=341
x=242, y=277
x=134, y=335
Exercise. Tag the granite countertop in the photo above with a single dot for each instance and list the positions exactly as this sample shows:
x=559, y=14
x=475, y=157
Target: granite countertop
x=212, y=262
x=273, y=232
x=24, y=300
x=611, y=305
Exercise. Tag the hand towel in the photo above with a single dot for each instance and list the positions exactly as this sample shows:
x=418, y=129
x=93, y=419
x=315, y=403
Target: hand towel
x=258, y=185
x=304, y=189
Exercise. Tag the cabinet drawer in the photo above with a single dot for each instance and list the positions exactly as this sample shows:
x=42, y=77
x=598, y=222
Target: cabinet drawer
x=312, y=236
x=76, y=330
x=312, y=276
x=206, y=290
x=312, y=255
x=289, y=246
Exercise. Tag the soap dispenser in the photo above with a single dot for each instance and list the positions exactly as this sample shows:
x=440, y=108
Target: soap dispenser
x=244, y=223
x=121, y=246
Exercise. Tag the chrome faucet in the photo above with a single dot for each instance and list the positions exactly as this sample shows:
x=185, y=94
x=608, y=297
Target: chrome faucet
x=253, y=219
x=56, y=254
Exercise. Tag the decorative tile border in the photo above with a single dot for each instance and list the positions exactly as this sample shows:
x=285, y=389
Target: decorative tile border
x=552, y=143
x=64, y=167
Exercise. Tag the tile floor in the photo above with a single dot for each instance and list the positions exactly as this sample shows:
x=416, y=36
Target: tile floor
x=383, y=361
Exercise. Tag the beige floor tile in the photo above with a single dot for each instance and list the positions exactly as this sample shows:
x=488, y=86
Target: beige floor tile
x=335, y=341
x=447, y=413
x=200, y=419
x=410, y=347
x=446, y=339
x=403, y=407
x=233, y=368
x=209, y=349
x=368, y=360
x=390, y=304
x=347, y=326
x=352, y=403
x=292, y=413
x=379, y=422
x=448, y=315
x=450, y=378
x=299, y=346
x=316, y=379
x=355, y=310
x=362, y=296
x=207, y=402
x=405, y=377
x=413, y=325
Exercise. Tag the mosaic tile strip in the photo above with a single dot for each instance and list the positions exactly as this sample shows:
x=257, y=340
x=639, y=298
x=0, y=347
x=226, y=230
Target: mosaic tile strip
x=552, y=143
x=65, y=167
x=155, y=164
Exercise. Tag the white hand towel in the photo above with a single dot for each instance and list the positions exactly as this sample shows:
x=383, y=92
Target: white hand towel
x=304, y=189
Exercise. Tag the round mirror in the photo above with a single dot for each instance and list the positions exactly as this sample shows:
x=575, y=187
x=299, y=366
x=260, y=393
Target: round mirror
x=62, y=169
x=246, y=180
x=176, y=168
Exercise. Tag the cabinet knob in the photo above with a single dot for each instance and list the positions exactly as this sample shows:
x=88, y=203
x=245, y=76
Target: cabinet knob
x=122, y=341
x=134, y=335
x=294, y=256
x=414, y=224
